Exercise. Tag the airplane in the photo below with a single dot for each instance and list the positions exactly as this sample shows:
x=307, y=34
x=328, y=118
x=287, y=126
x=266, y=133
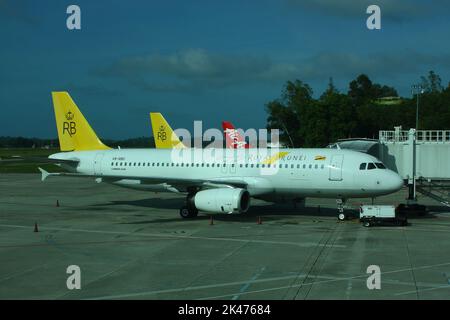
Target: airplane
x=215, y=181
x=233, y=137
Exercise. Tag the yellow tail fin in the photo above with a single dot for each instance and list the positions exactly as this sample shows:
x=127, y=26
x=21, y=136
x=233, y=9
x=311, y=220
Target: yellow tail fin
x=74, y=132
x=163, y=134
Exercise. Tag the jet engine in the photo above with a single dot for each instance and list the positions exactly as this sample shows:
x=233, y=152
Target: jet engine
x=222, y=200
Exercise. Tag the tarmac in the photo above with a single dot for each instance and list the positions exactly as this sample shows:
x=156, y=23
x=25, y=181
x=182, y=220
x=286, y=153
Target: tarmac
x=134, y=245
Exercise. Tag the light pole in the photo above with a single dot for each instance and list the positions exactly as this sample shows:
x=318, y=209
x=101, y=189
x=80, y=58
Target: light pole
x=417, y=88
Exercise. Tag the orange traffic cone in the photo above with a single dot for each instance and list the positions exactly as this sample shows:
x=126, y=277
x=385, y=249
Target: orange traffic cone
x=211, y=220
x=36, y=227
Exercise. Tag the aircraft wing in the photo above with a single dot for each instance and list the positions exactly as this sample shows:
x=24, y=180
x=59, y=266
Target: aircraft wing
x=178, y=183
x=40, y=160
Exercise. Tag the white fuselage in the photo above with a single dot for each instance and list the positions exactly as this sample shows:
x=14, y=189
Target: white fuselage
x=271, y=174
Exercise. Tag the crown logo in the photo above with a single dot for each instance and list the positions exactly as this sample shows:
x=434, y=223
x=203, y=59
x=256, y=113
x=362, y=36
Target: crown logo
x=162, y=135
x=69, y=116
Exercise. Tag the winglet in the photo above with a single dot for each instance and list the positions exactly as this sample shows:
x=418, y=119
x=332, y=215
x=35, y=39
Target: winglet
x=45, y=174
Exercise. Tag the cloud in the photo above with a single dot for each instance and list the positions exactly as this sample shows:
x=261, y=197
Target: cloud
x=398, y=10
x=195, y=68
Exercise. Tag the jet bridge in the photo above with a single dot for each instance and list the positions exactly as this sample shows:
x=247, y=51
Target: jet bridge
x=429, y=174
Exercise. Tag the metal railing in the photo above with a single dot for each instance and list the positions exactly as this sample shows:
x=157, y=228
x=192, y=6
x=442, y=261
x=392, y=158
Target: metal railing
x=422, y=136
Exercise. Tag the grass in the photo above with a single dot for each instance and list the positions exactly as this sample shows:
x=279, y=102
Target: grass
x=26, y=166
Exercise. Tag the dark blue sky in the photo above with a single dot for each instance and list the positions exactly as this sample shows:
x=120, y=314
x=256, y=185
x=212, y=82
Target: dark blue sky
x=202, y=60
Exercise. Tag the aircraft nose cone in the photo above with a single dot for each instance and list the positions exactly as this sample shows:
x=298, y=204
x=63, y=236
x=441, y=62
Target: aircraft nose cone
x=395, y=181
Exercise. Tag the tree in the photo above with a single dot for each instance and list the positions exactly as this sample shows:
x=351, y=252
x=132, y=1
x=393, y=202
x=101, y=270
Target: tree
x=360, y=89
x=432, y=82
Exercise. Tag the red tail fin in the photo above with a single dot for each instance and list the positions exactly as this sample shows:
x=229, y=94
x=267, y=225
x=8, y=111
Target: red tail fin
x=232, y=137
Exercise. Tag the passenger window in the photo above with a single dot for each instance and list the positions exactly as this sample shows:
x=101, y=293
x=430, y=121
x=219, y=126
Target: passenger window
x=323, y=166
x=380, y=165
x=310, y=166
x=316, y=166
x=263, y=166
x=251, y=166
x=125, y=164
x=298, y=166
x=304, y=166
x=362, y=166
x=246, y=165
x=112, y=163
x=371, y=166
x=153, y=164
x=292, y=166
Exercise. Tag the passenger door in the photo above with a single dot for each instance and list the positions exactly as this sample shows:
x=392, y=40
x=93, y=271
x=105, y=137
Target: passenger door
x=336, y=167
x=98, y=164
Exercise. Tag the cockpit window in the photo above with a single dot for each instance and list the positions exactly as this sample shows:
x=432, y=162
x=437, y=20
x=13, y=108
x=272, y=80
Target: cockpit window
x=371, y=166
x=380, y=165
x=362, y=166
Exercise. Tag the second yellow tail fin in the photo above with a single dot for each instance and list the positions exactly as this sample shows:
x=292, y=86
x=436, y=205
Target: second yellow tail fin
x=163, y=134
x=74, y=132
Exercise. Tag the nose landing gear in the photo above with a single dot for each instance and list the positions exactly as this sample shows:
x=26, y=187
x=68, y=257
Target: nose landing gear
x=340, y=205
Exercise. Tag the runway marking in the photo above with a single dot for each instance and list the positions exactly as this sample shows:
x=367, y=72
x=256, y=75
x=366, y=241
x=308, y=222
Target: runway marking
x=22, y=272
x=301, y=244
x=98, y=278
x=331, y=279
x=423, y=290
x=219, y=285
x=247, y=285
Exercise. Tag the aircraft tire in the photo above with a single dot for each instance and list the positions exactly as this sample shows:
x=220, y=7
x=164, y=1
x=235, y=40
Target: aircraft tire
x=188, y=212
x=341, y=216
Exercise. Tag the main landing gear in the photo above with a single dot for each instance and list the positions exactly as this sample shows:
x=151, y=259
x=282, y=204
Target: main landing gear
x=341, y=214
x=189, y=210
